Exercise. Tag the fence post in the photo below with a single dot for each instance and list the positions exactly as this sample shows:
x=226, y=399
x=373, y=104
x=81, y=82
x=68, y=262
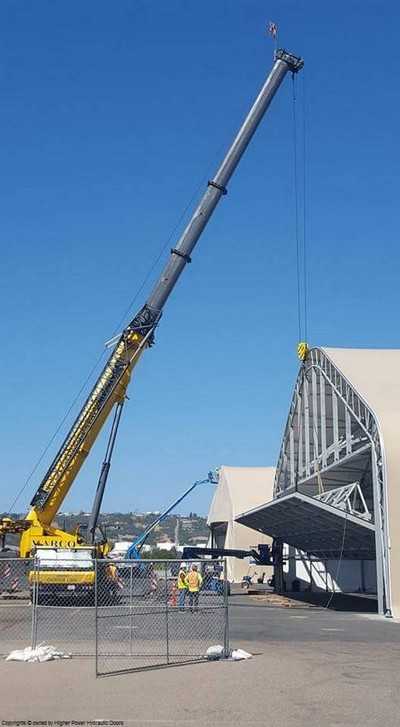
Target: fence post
x=130, y=606
x=35, y=599
x=96, y=619
x=226, y=613
x=166, y=611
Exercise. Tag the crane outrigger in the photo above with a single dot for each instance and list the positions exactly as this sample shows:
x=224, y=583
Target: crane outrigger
x=109, y=391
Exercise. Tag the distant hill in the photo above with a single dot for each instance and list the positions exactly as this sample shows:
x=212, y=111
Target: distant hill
x=126, y=526
x=181, y=529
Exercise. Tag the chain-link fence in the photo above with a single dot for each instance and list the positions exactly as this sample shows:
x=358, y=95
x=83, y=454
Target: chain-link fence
x=158, y=613
x=15, y=605
x=129, y=614
x=63, y=596
x=41, y=602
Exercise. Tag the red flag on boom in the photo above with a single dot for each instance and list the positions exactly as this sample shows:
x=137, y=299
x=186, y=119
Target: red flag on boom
x=272, y=29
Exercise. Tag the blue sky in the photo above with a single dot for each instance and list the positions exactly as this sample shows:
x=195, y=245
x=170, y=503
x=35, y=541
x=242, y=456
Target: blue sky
x=112, y=116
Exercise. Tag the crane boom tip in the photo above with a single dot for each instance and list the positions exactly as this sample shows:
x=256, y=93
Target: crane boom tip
x=295, y=63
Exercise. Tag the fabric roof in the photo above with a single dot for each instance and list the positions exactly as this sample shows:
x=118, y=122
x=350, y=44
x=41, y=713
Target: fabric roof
x=240, y=489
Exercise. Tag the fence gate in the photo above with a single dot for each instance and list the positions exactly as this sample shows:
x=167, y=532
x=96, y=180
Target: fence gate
x=142, y=618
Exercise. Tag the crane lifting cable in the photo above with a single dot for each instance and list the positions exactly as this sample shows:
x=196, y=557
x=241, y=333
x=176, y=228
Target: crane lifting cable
x=296, y=211
x=305, y=229
x=300, y=224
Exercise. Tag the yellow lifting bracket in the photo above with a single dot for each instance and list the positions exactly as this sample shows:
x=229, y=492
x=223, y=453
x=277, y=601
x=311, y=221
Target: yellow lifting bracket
x=302, y=350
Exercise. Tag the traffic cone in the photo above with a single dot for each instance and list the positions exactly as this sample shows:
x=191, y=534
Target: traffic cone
x=173, y=597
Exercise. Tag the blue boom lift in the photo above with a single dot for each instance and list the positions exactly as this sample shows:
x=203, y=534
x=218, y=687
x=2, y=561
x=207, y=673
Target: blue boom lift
x=133, y=552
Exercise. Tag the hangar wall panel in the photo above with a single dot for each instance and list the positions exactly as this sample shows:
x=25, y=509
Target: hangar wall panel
x=348, y=576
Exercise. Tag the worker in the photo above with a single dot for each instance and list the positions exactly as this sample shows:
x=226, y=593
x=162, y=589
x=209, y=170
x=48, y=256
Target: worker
x=111, y=571
x=182, y=587
x=194, y=582
x=112, y=574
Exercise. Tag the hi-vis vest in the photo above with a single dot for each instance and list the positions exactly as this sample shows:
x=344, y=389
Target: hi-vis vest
x=194, y=581
x=182, y=580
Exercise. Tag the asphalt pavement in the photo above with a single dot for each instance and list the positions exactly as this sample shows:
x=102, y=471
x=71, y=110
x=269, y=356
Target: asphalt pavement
x=310, y=667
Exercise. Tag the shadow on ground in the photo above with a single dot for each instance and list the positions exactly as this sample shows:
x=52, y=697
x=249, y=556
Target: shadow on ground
x=356, y=602
x=347, y=602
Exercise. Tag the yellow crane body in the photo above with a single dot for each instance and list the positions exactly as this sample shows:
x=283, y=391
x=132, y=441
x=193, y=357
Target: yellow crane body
x=37, y=528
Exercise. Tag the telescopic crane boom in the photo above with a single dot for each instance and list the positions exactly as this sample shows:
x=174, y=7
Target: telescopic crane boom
x=110, y=388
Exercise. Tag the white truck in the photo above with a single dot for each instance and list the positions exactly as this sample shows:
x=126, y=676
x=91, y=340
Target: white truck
x=65, y=575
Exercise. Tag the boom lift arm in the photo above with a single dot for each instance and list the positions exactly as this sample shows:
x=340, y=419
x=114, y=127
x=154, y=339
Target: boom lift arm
x=261, y=555
x=110, y=388
x=134, y=550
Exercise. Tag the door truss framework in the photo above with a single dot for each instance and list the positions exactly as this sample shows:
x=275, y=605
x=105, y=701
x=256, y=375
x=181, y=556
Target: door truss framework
x=332, y=439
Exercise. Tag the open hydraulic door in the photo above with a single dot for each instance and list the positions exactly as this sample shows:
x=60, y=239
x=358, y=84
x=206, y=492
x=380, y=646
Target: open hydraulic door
x=313, y=527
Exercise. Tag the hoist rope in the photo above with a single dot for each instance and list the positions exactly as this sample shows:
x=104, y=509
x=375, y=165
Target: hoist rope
x=305, y=150
x=321, y=490
x=300, y=225
x=296, y=207
x=339, y=564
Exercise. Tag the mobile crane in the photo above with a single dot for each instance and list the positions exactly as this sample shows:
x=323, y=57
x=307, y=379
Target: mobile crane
x=109, y=392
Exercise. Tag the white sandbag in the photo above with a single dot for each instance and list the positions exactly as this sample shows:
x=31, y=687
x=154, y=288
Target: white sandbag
x=38, y=654
x=214, y=652
x=239, y=654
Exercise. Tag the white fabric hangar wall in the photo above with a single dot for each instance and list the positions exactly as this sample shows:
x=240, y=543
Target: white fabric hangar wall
x=239, y=489
x=346, y=576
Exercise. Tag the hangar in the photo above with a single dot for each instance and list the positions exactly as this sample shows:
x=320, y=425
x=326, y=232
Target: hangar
x=239, y=488
x=336, y=489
